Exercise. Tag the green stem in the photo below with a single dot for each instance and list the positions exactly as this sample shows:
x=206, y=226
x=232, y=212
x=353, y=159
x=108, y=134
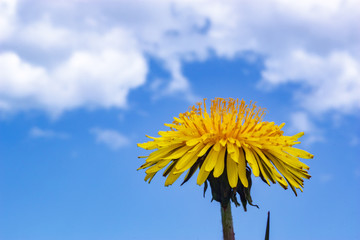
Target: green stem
x=227, y=222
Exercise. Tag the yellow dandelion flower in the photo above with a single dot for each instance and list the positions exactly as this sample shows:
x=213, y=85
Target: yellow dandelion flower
x=227, y=142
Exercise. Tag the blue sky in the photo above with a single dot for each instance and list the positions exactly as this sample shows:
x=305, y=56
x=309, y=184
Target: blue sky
x=81, y=82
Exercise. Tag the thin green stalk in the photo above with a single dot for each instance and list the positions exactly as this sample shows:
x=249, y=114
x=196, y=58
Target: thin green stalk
x=227, y=222
x=267, y=233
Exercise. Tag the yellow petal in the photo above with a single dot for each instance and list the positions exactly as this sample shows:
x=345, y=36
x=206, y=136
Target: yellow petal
x=179, y=152
x=188, y=159
x=252, y=161
x=202, y=176
x=148, y=145
x=189, y=164
x=172, y=178
x=157, y=166
x=287, y=158
x=283, y=170
x=296, y=136
x=193, y=142
x=223, y=142
x=232, y=172
x=205, y=149
x=238, y=143
x=168, y=133
x=230, y=148
x=197, y=148
x=269, y=169
x=187, y=156
x=242, y=168
x=149, y=177
x=235, y=154
x=263, y=170
x=298, y=152
x=211, y=159
x=219, y=167
x=300, y=173
x=264, y=159
x=162, y=152
x=173, y=126
x=217, y=146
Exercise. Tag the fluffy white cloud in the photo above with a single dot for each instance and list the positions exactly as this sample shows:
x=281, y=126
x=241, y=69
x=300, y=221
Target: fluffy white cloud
x=98, y=76
x=331, y=82
x=94, y=56
x=7, y=17
x=111, y=138
x=41, y=33
x=20, y=82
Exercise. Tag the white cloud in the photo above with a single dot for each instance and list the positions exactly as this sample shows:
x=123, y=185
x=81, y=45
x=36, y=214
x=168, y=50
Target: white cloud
x=43, y=34
x=36, y=132
x=7, y=18
x=95, y=55
x=331, y=82
x=97, y=77
x=21, y=83
x=111, y=138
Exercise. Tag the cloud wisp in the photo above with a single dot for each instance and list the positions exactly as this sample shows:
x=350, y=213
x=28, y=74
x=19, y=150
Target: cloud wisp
x=110, y=138
x=37, y=132
x=301, y=122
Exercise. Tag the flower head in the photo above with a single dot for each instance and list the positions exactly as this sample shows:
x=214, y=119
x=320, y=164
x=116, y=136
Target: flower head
x=226, y=142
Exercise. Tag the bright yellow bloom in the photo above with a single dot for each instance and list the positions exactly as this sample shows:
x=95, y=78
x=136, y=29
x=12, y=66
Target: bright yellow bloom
x=226, y=140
